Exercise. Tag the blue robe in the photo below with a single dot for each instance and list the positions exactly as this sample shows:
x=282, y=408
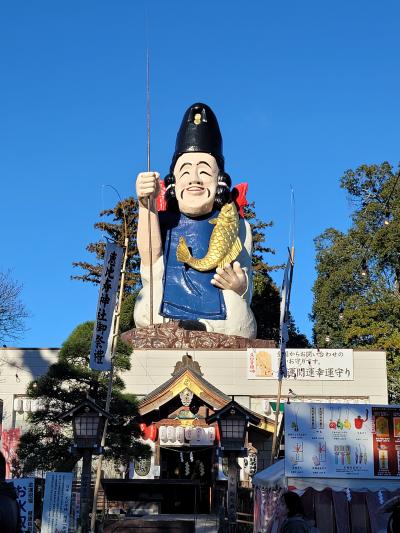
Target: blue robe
x=188, y=293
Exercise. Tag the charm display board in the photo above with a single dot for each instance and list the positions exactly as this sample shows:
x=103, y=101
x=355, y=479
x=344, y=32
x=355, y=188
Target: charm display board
x=342, y=440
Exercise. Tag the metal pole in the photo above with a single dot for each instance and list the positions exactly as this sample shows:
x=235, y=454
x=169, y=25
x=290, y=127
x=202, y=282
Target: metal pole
x=282, y=345
x=117, y=316
x=86, y=478
x=232, y=491
x=278, y=408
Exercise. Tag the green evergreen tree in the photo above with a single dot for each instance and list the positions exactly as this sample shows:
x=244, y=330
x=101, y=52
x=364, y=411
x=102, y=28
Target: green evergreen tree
x=356, y=293
x=46, y=445
x=266, y=298
x=112, y=224
x=114, y=230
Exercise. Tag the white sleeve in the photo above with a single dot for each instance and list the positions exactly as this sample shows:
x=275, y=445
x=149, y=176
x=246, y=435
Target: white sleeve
x=244, y=258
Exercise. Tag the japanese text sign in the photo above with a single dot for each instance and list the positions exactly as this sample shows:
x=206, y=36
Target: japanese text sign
x=25, y=489
x=56, y=503
x=100, y=354
x=302, y=364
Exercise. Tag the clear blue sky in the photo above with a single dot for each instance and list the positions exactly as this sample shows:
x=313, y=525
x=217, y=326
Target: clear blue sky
x=303, y=91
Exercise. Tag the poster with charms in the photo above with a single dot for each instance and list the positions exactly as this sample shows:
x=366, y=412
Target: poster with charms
x=328, y=440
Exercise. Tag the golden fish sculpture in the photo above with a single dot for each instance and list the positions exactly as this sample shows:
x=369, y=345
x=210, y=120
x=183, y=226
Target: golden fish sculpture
x=224, y=245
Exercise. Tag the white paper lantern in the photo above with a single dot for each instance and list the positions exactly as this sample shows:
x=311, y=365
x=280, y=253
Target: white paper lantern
x=267, y=407
x=199, y=434
x=40, y=405
x=26, y=404
x=189, y=434
x=163, y=434
x=171, y=433
x=37, y=405
x=180, y=434
x=252, y=464
x=211, y=434
x=18, y=405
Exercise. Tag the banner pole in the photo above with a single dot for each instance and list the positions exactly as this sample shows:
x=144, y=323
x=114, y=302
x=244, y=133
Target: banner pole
x=116, y=320
x=277, y=411
x=286, y=291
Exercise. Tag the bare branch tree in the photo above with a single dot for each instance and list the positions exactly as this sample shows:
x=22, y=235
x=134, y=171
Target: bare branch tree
x=12, y=311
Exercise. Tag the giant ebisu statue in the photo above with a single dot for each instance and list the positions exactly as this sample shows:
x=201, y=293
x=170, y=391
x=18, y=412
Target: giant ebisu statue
x=201, y=246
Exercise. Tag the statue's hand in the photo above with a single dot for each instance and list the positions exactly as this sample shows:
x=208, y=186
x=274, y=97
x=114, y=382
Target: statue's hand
x=147, y=186
x=231, y=278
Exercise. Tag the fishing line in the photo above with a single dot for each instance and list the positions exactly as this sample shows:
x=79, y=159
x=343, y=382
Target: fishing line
x=104, y=236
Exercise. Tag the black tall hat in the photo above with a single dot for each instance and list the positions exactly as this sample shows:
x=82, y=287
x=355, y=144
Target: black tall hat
x=199, y=132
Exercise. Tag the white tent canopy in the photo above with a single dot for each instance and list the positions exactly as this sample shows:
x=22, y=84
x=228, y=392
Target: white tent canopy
x=274, y=476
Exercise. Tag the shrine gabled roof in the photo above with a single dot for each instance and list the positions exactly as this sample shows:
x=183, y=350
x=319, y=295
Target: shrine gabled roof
x=187, y=374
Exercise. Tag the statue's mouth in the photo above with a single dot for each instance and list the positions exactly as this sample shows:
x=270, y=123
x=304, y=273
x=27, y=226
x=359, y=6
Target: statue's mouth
x=196, y=190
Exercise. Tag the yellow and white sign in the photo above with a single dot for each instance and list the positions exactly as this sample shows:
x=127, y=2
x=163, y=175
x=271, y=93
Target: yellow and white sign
x=302, y=364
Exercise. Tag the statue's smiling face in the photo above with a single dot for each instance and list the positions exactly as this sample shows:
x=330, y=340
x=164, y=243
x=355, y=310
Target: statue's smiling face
x=196, y=180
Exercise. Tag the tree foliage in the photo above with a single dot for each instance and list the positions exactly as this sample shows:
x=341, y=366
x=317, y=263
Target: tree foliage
x=356, y=293
x=46, y=444
x=114, y=230
x=12, y=311
x=266, y=298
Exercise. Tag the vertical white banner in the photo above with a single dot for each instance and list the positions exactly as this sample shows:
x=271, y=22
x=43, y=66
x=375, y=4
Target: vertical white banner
x=57, y=502
x=284, y=315
x=25, y=488
x=100, y=353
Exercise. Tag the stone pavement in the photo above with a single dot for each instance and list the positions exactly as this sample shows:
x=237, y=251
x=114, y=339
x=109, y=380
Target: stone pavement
x=206, y=523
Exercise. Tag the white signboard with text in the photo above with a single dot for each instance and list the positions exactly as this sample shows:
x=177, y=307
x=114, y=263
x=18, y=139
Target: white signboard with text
x=302, y=364
x=57, y=502
x=328, y=440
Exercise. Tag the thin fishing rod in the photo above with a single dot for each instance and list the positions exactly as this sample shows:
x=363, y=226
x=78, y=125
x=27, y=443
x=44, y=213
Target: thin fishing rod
x=148, y=105
x=292, y=218
x=149, y=206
